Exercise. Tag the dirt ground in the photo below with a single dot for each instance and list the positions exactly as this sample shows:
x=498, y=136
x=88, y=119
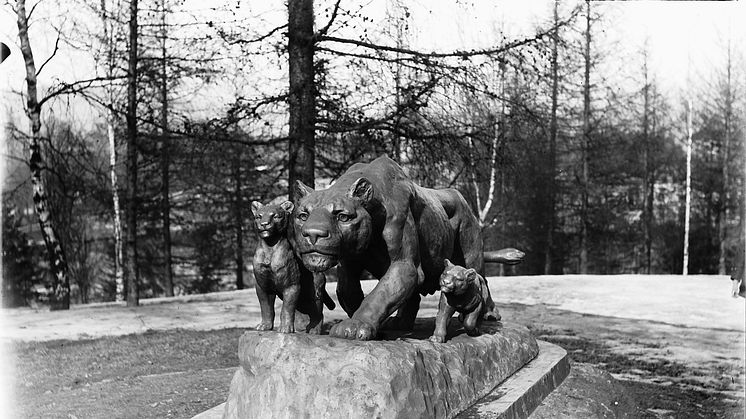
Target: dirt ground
x=676, y=344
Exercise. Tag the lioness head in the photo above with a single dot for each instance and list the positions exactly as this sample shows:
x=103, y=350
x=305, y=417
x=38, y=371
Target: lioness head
x=332, y=223
x=271, y=220
x=456, y=279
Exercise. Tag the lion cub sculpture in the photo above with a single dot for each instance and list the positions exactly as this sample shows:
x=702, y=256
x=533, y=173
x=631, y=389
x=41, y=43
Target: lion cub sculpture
x=464, y=291
x=279, y=273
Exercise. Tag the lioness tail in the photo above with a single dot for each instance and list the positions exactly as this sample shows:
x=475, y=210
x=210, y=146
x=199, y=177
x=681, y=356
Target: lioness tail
x=508, y=256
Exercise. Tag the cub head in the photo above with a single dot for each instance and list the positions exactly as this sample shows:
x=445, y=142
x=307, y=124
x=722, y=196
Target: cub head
x=271, y=220
x=332, y=223
x=456, y=279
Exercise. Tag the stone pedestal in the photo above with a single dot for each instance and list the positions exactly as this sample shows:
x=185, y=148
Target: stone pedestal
x=402, y=376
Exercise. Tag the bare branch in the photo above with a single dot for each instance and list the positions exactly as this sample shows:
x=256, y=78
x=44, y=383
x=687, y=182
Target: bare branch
x=453, y=54
x=325, y=29
x=31, y=12
x=56, y=48
x=251, y=41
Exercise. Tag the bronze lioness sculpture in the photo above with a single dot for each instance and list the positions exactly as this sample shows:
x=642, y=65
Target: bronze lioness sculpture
x=278, y=272
x=464, y=291
x=375, y=218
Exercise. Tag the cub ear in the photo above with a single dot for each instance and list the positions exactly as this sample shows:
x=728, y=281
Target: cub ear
x=256, y=206
x=448, y=263
x=471, y=275
x=361, y=189
x=287, y=206
x=301, y=189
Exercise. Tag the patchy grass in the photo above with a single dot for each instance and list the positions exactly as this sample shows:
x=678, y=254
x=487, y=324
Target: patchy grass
x=177, y=373
x=661, y=387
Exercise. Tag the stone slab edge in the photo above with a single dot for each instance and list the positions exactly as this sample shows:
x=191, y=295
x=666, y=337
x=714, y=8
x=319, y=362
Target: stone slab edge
x=516, y=397
x=523, y=392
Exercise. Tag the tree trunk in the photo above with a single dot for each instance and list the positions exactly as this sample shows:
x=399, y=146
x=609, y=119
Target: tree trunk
x=301, y=100
x=648, y=185
x=130, y=265
x=724, y=193
x=585, y=144
x=687, y=210
x=61, y=282
x=238, y=216
x=165, y=162
x=118, y=268
x=110, y=120
x=552, y=169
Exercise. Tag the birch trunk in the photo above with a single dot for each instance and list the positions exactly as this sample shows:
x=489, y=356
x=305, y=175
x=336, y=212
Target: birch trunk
x=61, y=282
x=687, y=210
x=110, y=121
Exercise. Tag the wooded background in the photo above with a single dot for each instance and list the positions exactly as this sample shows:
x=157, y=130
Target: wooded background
x=133, y=177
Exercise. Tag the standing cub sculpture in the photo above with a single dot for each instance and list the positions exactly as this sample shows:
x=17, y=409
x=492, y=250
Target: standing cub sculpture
x=466, y=292
x=278, y=273
x=375, y=218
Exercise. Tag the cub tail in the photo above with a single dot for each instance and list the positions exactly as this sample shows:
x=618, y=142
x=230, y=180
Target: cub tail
x=508, y=256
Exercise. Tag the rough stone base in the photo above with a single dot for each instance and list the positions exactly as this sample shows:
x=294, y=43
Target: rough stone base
x=406, y=376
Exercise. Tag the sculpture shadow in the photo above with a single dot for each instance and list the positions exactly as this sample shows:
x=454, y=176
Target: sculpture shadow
x=423, y=329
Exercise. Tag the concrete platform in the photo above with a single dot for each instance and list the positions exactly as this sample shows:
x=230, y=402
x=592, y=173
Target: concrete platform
x=516, y=397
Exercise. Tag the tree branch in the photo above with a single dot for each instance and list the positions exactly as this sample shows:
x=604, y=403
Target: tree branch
x=325, y=29
x=56, y=48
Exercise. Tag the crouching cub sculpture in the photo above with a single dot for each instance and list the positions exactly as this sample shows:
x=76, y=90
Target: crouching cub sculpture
x=278, y=273
x=466, y=292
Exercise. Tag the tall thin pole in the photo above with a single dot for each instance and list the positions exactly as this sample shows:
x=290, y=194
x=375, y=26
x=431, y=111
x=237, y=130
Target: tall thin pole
x=685, y=269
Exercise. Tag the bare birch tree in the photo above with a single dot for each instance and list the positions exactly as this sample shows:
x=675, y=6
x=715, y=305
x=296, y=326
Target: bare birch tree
x=58, y=262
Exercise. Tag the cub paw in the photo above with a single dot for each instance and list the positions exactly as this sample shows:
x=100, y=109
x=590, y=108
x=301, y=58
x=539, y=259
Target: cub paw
x=264, y=326
x=354, y=330
x=315, y=330
x=437, y=339
x=492, y=315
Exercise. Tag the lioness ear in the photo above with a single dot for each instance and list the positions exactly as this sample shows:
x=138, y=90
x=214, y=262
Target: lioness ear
x=255, y=206
x=301, y=189
x=361, y=189
x=471, y=275
x=287, y=206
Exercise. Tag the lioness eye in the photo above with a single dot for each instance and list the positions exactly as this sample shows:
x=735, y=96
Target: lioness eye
x=344, y=217
x=303, y=216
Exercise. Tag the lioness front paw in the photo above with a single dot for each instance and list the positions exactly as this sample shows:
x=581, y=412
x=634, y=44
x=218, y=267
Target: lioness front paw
x=264, y=326
x=437, y=338
x=354, y=330
x=287, y=328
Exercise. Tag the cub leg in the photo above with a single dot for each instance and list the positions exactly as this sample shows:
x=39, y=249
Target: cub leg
x=445, y=312
x=472, y=320
x=267, y=306
x=316, y=316
x=289, y=301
